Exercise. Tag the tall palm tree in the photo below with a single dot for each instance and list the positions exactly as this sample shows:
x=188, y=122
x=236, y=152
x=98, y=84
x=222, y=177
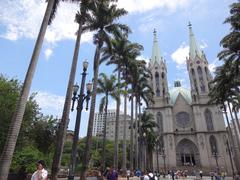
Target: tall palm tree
x=6, y=156
x=147, y=126
x=139, y=81
x=81, y=17
x=122, y=53
x=103, y=21
x=107, y=87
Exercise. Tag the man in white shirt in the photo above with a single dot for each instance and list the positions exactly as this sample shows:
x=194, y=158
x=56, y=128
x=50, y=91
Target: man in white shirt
x=40, y=173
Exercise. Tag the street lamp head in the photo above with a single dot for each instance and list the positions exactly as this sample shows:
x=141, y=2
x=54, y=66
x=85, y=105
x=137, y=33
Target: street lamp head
x=144, y=134
x=75, y=88
x=85, y=65
x=89, y=87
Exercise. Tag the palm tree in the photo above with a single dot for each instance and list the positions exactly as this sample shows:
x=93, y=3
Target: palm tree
x=81, y=18
x=220, y=94
x=147, y=126
x=6, y=156
x=102, y=20
x=122, y=53
x=107, y=87
x=139, y=81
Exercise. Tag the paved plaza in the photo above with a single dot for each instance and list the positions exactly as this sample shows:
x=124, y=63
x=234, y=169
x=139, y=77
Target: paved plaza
x=161, y=178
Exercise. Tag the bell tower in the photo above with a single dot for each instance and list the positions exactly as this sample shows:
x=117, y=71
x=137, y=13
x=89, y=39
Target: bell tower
x=198, y=70
x=158, y=70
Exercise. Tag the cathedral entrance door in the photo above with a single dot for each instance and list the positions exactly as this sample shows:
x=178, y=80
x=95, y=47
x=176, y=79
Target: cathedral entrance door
x=187, y=159
x=187, y=153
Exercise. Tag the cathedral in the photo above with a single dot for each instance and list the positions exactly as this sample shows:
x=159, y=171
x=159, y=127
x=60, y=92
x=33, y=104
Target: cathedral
x=192, y=132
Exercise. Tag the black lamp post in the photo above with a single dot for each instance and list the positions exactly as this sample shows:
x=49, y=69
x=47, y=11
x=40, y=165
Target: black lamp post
x=80, y=99
x=215, y=155
x=164, y=160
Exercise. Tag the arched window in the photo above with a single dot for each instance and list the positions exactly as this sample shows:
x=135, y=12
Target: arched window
x=157, y=79
x=160, y=122
x=208, y=118
x=213, y=144
x=207, y=75
x=163, y=75
x=194, y=79
x=158, y=92
x=200, y=74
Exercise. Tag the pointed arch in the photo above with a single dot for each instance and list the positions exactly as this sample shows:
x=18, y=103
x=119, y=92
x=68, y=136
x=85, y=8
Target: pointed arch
x=194, y=79
x=213, y=144
x=157, y=79
x=187, y=153
x=160, y=122
x=208, y=118
x=201, y=80
x=158, y=92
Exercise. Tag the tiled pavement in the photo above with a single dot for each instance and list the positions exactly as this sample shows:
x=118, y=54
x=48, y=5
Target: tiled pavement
x=161, y=178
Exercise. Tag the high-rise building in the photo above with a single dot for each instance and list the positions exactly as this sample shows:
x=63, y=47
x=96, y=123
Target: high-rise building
x=98, y=122
x=110, y=126
x=111, y=122
x=192, y=130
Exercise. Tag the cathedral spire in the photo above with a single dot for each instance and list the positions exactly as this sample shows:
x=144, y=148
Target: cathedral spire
x=194, y=48
x=156, y=56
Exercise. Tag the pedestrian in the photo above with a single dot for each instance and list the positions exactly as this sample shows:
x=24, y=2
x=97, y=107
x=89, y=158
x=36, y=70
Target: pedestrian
x=172, y=174
x=112, y=174
x=41, y=172
x=150, y=176
x=201, y=174
x=128, y=174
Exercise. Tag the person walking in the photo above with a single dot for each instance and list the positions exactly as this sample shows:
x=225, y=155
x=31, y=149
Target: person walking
x=41, y=173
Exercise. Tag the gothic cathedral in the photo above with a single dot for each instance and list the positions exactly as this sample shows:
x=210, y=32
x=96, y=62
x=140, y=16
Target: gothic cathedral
x=192, y=132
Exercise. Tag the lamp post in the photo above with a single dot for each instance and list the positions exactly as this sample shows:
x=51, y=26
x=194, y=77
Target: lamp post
x=144, y=152
x=215, y=155
x=80, y=99
x=230, y=156
x=164, y=162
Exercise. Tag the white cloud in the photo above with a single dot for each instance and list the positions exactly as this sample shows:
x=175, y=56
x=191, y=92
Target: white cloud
x=179, y=56
x=50, y=103
x=22, y=19
x=143, y=6
x=48, y=52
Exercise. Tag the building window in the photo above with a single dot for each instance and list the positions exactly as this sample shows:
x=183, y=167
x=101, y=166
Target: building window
x=157, y=79
x=213, y=144
x=160, y=122
x=183, y=119
x=208, y=118
x=200, y=74
x=158, y=92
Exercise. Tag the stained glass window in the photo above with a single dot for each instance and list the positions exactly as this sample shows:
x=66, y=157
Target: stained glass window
x=208, y=118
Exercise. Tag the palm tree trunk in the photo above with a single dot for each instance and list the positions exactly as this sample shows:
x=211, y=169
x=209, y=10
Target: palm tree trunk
x=136, y=134
x=104, y=134
x=237, y=120
x=6, y=156
x=140, y=155
x=66, y=109
x=235, y=129
x=86, y=157
x=124, y=131
x=131, y=135
x=236, y=160
x=115, y=161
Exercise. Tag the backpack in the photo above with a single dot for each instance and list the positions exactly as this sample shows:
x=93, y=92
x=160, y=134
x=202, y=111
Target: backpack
x=151, y=178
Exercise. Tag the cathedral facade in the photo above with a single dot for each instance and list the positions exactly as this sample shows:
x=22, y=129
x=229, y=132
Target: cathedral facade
x=192, y=133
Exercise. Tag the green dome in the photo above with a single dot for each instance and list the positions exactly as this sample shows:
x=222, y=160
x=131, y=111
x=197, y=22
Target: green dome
x=184, y=92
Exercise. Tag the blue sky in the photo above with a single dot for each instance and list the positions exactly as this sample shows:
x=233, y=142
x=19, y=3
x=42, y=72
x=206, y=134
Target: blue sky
x=20, y=21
